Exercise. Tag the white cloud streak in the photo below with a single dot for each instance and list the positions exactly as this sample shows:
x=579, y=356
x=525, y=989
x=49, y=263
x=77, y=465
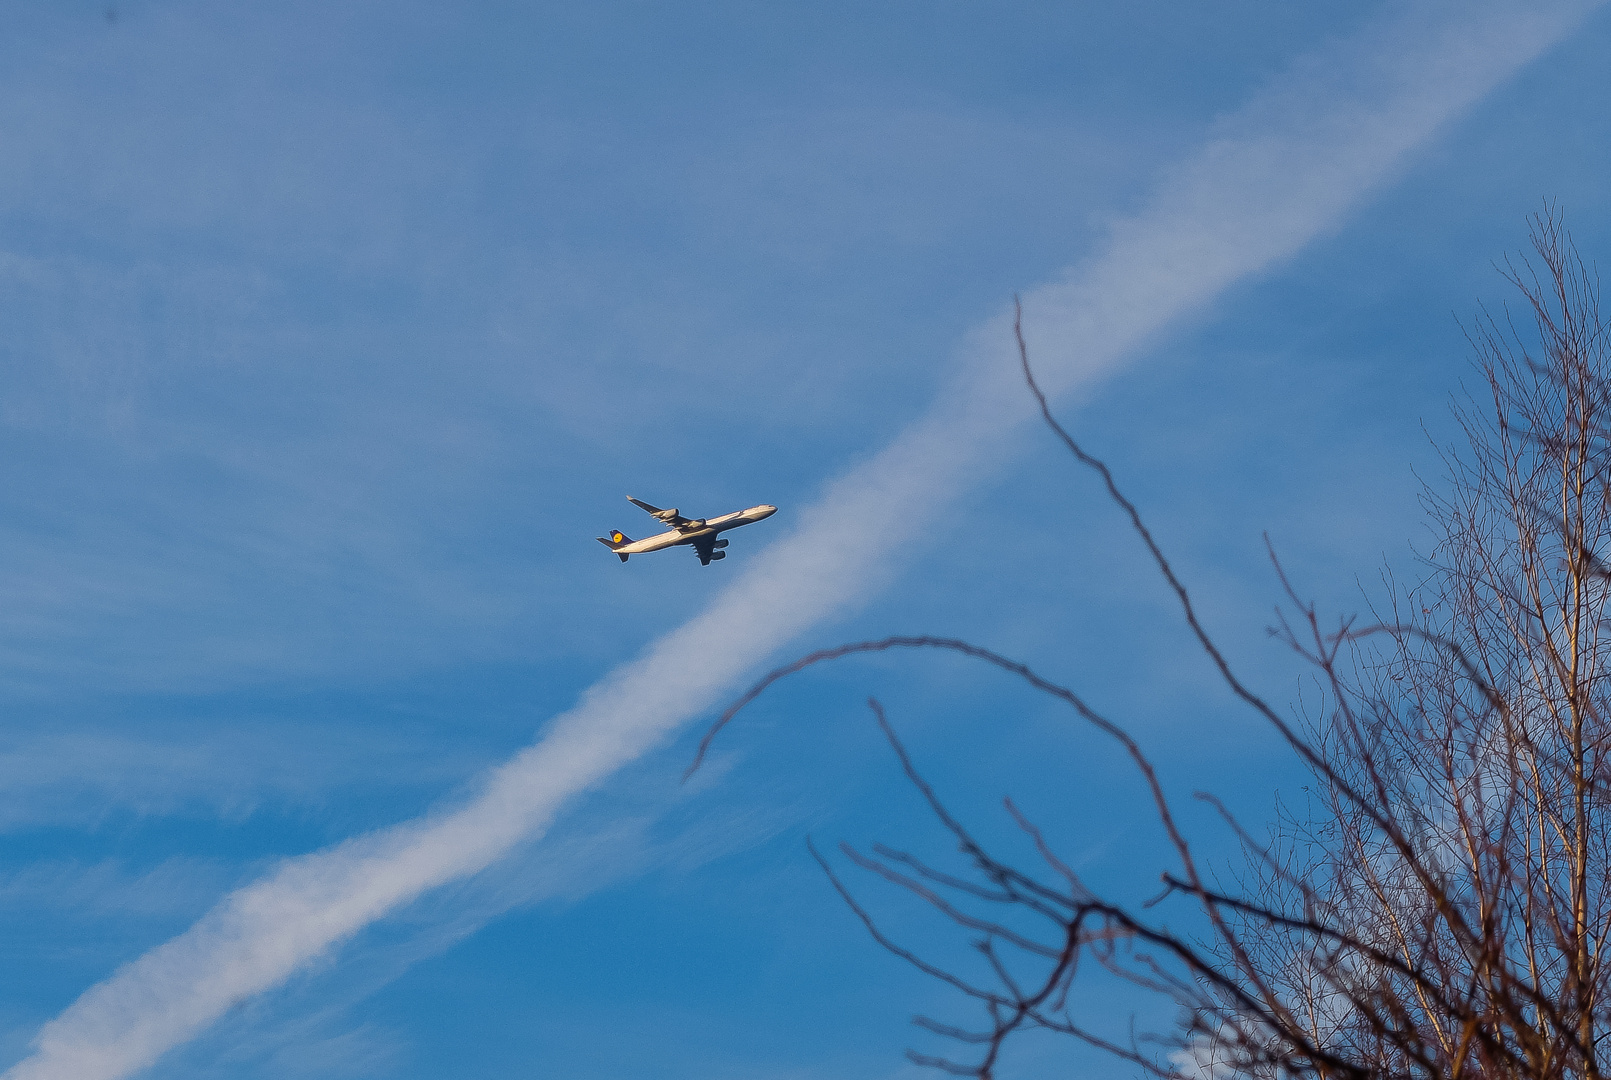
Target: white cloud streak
x=1274, y=175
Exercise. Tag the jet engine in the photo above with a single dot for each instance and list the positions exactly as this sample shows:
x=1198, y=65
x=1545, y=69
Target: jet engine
x=719, y=544
x=717, y=555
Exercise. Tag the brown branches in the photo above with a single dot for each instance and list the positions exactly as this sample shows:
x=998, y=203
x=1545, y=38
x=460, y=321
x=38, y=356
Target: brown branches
x=1443, y=907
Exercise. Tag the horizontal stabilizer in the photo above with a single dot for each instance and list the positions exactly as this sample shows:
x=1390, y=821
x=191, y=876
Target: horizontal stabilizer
x=616, y=541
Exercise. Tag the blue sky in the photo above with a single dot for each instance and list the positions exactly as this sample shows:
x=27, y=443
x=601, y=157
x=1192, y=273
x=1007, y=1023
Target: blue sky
x=335, y=333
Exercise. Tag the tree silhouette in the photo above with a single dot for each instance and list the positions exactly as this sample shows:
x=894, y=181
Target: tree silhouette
x=1444, y=910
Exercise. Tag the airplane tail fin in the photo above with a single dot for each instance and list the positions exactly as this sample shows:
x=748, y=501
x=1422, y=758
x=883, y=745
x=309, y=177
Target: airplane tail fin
x=615, y=541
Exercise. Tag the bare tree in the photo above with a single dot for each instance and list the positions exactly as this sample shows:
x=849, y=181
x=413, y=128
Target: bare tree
x=1444, y=909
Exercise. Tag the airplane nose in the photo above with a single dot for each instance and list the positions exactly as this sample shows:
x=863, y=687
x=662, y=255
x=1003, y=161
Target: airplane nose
x=767, y=510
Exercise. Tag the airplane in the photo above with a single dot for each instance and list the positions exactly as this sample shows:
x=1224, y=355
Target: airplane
x=700, y=533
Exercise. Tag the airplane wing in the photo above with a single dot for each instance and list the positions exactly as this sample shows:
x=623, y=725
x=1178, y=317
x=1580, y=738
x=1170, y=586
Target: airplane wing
x=705, y=548
x=670, y=517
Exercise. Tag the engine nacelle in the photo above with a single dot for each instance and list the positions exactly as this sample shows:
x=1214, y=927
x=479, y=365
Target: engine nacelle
x=718, y=544
x=667, y=515
x=717, y=555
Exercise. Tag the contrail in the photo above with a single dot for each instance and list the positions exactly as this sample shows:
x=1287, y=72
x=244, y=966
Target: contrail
x=1272, y=176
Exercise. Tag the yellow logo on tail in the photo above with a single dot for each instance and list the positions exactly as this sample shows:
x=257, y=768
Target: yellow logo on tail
x=618, y=536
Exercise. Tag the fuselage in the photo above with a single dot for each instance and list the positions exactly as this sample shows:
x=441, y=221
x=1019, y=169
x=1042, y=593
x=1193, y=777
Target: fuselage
x=688, y=533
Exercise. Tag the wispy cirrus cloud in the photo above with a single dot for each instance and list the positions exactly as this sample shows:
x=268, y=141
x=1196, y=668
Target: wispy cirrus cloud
x=86, y=776
x=1271, y=177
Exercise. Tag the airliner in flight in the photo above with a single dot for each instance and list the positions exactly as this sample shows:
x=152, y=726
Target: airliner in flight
x=698, y=533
